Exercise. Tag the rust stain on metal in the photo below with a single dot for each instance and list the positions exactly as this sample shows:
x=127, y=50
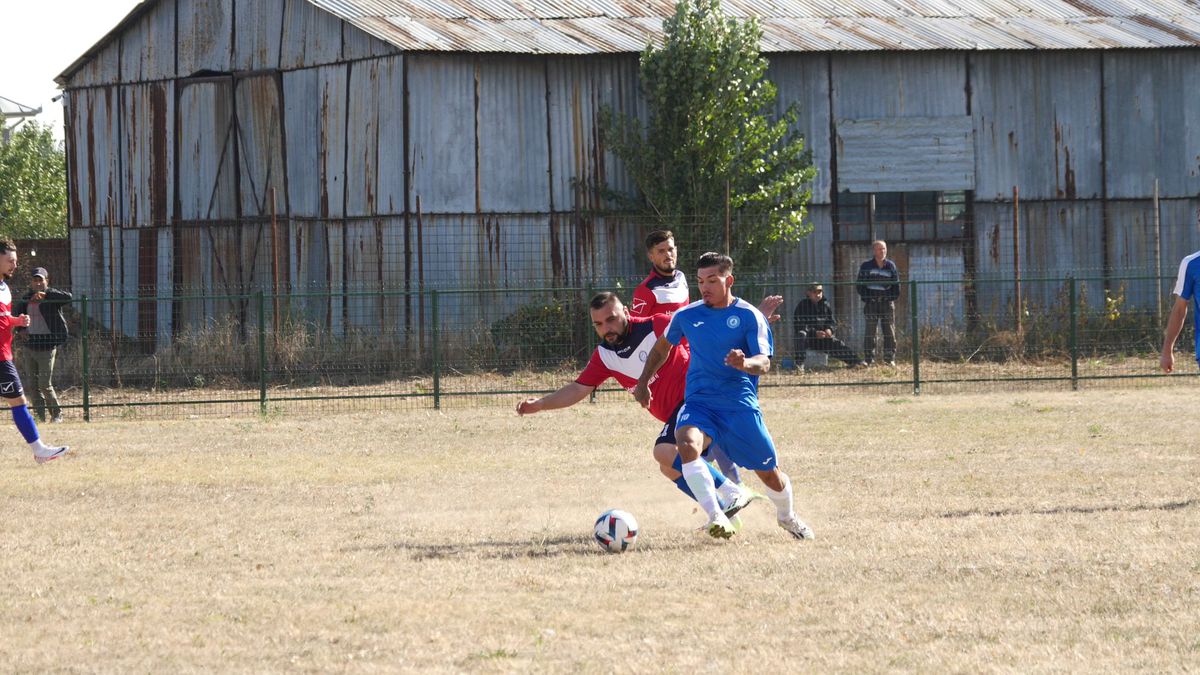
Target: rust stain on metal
x=1164, y=26
x=322, y=158
x=159, y=170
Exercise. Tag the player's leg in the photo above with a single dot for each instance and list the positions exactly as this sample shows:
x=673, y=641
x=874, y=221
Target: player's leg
x=667, y=456
x=690, y=440
x=14, y=395
x=755, y=448
x=726, y=465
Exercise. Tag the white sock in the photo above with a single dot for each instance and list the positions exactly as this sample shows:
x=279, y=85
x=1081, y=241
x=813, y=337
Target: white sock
x=729, y=491
x=39, y=448
x=700, y=481
x=782, y=499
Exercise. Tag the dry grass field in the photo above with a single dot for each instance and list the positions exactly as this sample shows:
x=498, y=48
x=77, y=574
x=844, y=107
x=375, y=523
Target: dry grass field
x=985, y=532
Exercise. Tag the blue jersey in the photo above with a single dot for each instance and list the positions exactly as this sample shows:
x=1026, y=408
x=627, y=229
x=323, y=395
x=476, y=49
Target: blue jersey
x=711, y=333
x=1185, y=287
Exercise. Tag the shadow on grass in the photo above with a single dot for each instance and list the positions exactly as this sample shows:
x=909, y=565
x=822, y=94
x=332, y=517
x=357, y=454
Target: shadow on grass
x=1169, y=506
x=495, y=549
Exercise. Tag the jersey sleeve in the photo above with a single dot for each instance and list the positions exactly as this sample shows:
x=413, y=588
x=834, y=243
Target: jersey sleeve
x=758, y=334
x=674, y=328
x=661, y=321
x=1185, y=284
x=595, y=373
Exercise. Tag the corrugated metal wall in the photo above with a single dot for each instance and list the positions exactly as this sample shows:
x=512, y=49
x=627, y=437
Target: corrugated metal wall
x=460, y=170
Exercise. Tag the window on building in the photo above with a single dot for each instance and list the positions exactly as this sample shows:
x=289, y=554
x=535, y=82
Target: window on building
x=903, y=216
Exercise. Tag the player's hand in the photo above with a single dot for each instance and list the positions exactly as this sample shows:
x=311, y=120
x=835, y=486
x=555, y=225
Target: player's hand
x=1167, y=361
x=736, y=358
x=23, y=319
x=641, y=394
x=38, y=297
x=529, y=406
x=768, y=306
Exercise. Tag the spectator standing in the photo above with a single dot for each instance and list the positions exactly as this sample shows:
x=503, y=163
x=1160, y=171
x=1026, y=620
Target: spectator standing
x=47, y=331
x=879, y=287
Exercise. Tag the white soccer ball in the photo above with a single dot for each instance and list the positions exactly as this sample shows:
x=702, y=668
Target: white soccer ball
x=616, y=530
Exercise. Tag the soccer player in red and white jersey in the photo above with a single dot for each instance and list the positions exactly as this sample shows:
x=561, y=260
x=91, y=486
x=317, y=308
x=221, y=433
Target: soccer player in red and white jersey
x=621, y=356
x=666, y=289
x=10, y=382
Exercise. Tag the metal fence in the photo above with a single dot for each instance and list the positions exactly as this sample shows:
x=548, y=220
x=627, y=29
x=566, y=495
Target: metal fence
x=223, y=354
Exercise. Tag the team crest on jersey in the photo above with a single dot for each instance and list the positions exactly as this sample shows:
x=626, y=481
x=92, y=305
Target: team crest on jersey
x=733, y=322
x=642, y=356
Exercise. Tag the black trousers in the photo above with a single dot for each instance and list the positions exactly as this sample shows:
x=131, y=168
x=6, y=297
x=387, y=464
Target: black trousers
x=881, y=314
x=832, y=346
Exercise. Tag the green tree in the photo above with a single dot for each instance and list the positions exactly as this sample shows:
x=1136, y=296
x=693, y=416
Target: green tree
x=710, y=128
x=33, y=185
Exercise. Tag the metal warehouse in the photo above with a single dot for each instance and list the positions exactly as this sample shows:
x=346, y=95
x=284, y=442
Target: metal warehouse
x=347, y=145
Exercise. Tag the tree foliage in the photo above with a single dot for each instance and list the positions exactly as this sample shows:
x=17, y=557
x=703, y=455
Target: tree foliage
x=33, y=185
x=710, y=126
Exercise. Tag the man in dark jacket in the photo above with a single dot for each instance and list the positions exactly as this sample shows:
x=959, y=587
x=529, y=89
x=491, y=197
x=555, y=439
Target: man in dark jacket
x=46, y=332
x=812, y=328
x=879, y=287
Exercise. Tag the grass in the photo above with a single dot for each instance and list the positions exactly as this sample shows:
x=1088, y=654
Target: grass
x=1039, y=532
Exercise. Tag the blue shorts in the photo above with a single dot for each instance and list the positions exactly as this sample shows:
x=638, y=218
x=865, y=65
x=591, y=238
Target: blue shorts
x=10, y=382
x=741, y=433
x=667, y=435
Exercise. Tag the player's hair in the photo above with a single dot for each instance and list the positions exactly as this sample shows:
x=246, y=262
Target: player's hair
x=601, y=300
x=719, y=260
x=7, y=245
x=878, y=241
x=657, y=237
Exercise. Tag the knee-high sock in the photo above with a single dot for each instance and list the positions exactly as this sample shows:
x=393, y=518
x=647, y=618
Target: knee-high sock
x=698, y=475
x=726, y=465
x=681, y=482
x=782, y=499
x=25, y=423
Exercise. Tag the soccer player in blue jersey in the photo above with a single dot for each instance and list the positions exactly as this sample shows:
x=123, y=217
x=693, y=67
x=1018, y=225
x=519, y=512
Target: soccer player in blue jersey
x=1185, y=294
x=731, y=347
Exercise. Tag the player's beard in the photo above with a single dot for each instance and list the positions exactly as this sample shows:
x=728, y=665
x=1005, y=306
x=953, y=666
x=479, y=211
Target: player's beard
x=666, y=272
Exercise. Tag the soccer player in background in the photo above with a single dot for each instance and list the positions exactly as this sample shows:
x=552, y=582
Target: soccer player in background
x=1185, y=294
x=10, y=382
x=665, y=289
x=619, y=356
x=731, y=347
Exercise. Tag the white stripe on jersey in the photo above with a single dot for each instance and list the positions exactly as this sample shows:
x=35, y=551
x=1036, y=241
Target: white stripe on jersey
x=675, y=291
x=1182, y=277
x=633, y=364
x=764, y=342
x=5, y=294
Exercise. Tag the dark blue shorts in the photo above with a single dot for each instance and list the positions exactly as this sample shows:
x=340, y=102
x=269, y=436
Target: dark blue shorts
x=10, y=382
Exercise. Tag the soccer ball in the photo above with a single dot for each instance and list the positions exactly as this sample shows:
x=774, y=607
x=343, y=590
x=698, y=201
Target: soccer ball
x=616, y=530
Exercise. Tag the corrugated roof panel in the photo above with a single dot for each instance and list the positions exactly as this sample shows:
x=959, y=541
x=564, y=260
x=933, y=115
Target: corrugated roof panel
x=615, y=26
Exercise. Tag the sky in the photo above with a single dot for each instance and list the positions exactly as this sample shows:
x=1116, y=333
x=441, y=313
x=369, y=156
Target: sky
x=40, y=38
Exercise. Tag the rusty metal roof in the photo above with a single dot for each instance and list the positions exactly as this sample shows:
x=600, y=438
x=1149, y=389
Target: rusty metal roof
x=614, y=26
x=623, y=26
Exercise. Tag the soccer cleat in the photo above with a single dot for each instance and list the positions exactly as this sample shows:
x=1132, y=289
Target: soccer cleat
x=719, y=527
x=744, y=498
x=53, y=454
x=57, y=419
x=797, y=528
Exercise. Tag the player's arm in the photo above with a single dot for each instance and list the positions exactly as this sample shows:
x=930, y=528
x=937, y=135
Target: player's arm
x=654, y=361
x=567, y=396
x=752, y=365
x=1174, y=325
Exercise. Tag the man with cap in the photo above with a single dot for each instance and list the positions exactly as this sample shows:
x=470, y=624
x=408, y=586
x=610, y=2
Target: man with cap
x=46, y=332
x=812, y=328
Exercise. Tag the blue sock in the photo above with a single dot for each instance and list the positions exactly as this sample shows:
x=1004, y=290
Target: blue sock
x=25, y=423
x=727, y=466
x=680, y=483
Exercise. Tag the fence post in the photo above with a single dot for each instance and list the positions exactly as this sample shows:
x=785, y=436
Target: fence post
x=262, y=352
x=87, y=365
x=437, y=352
x=1074, y=333
x=916, y=336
